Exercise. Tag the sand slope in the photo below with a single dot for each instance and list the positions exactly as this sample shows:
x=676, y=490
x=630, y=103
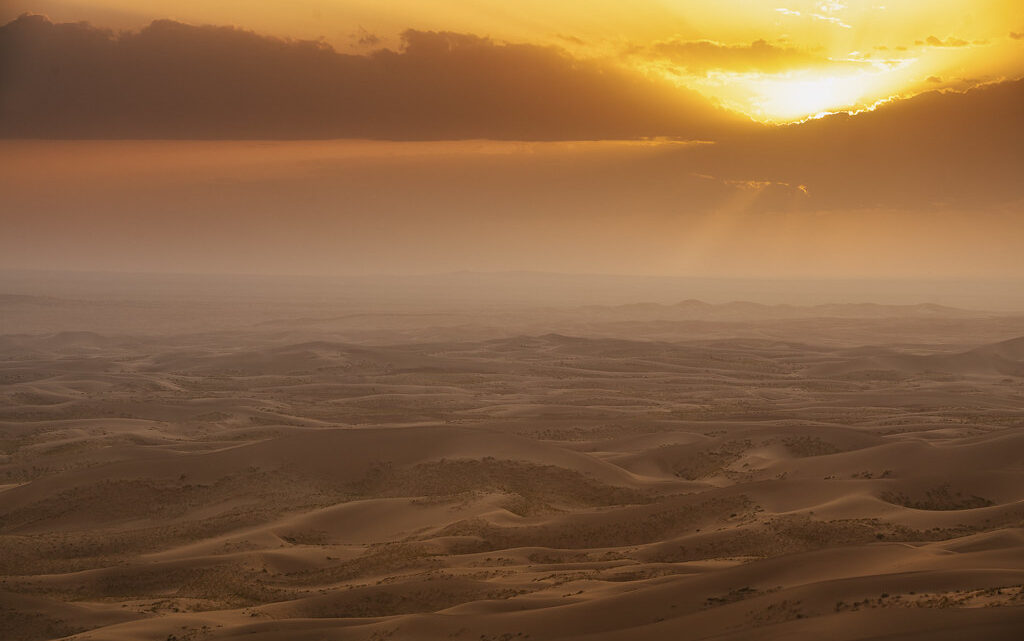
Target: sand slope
x=280, y=483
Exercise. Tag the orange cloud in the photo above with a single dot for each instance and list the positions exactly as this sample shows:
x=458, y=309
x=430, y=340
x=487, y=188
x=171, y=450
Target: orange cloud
x=948, y=42
x=702, y=56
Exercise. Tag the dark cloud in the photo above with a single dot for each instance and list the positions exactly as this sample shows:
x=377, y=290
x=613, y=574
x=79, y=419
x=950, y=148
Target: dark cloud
x=940, y=148
x=172, y=80
x=177, y=81
x=702, y=56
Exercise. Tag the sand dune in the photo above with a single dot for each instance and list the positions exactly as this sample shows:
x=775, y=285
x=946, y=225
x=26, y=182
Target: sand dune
x=289, y=482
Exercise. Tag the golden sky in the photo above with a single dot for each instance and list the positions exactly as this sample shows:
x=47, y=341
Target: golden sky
x=783, y=139
x=774, y=60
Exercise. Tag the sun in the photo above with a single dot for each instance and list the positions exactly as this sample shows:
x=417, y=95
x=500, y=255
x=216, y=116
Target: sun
x=797, y=95
x=807, y=95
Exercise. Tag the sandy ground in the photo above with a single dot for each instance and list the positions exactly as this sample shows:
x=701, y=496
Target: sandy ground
x=599, y=473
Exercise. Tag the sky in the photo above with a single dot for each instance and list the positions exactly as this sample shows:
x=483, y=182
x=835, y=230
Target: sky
x=783, y=139
x=776, y=60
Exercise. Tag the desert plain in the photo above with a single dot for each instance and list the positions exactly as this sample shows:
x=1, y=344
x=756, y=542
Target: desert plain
x=267, y=469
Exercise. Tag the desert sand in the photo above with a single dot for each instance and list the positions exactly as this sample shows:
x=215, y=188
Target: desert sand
x=591, y=472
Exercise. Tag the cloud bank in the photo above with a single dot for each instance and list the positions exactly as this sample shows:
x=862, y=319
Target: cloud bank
x=175, y=81
x=172, y=80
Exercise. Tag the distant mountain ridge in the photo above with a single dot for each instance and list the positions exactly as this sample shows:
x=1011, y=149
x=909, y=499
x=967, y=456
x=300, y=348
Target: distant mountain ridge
x=693, y=309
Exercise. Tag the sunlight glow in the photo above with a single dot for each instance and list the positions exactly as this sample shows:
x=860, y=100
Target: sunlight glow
x=799, y=95
x=790, y=98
